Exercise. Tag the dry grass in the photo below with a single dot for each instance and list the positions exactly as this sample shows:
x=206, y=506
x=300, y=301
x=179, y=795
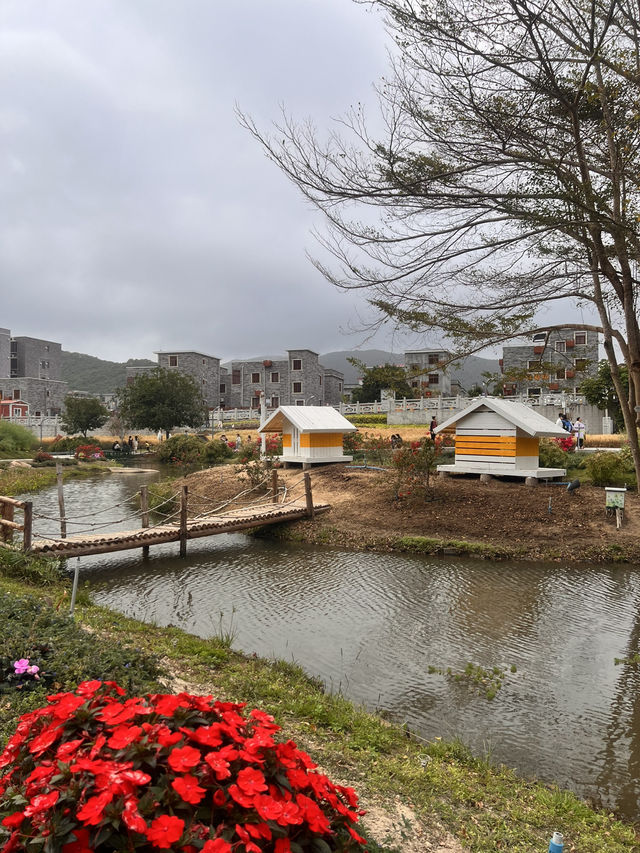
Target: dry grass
x=593, y=440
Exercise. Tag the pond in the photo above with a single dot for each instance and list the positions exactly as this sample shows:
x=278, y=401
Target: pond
x=384, y=629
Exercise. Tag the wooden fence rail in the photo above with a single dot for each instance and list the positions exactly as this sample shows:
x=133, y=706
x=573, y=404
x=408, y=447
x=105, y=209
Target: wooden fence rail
x=8, y=523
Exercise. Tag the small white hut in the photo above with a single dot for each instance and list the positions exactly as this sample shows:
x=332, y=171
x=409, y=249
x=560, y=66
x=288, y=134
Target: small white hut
x=499, y=437
x=310, y=434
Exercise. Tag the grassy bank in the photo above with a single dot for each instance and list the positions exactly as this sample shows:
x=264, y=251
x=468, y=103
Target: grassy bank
x=441, y=786
x=17, y=481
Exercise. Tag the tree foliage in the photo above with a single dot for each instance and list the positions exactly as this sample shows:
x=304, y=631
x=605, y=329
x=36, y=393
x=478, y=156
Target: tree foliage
x=82, y=414
x=380, y=378
x=161, y=400
x=600, y=391
x=505, y=182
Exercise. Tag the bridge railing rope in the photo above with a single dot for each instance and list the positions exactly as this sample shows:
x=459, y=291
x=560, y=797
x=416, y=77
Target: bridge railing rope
x=172, y=511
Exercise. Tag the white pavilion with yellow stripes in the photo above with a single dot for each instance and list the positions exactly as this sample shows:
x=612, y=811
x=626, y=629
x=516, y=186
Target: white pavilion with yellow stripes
x=499, y=437
x=310, y=434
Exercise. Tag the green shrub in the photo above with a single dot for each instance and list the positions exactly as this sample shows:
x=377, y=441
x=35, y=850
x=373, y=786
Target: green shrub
x=42, y=571
x=15, y=440
x=216, y=451
x=368, y=420
x=551, y=455
x=182, y=450
x=606, y=468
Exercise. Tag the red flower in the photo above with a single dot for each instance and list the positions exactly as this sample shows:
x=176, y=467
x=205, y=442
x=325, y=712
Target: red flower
x=41, y=803
x=267, y=807
x=208, y=735
x=188, y=788
x=251, y=781
x=218, y=845
x=219, y=797
x=165, y=831
x=91, y=812
x=282, y=846
x=184, y=758
x=132, y=818
x=124, y=735
x=13, y=820
x=80, y=845
x=218, y=764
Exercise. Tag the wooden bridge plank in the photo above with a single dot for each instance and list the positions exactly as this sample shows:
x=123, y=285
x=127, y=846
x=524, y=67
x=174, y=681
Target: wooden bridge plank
x=81, y=545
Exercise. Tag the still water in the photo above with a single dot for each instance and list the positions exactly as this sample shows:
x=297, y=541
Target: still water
x=371, y=625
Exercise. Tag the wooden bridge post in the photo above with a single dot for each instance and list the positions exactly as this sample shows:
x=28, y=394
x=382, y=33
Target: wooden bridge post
x=28, y=526
x=7, y=515
x=183, y=521
x=274, y=486
x=63, y=520
x=308, y=495
x=144, y=507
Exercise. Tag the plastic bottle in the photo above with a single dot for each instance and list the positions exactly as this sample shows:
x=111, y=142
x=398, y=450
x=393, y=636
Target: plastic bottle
x=556, y=845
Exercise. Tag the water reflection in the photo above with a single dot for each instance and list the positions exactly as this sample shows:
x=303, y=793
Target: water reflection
x=371, y=625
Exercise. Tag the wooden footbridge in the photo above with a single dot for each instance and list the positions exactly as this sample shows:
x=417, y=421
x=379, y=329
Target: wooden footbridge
x=195, y=516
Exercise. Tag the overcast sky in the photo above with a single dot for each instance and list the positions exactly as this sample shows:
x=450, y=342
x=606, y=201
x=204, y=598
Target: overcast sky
x=136, y=213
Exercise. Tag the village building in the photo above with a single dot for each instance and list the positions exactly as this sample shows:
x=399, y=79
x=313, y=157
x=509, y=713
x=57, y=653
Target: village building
x=501, y=438
x=310, y=434
x=554, y=361
x=30, y=374
x=426, y=372
x=298, y=379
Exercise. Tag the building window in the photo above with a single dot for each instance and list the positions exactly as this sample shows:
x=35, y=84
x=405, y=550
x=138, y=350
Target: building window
x=434, y=379
x=223, y=387
x=534, y=364
x=16, y=393
x=560, y=346
x=580, y=363
x=580, y=338
x=320, y=380
x=339, y=386
x=560, y=373
x=46, y=348
x=297, y=387
x=275, y=377
x=173, y=361
x=38, y=413
x=433, y=358
x=255, y=403
x=204, y=381
x=414, y=366
x=299, y=402
x=275, y=402
x=48, y=393
x=255, y=377
x=235, y=377
x=296, y=364
x=414, y=384
x=533, y=392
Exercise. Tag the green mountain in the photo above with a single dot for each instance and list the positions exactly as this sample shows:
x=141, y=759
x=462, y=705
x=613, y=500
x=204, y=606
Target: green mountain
x=91, y=374
x=467, y=372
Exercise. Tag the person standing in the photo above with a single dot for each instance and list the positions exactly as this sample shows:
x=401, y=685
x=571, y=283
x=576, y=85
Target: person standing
x=238, y=442
x=579, y=431
x=135, y=443
x=432, y=428
x=560, y=420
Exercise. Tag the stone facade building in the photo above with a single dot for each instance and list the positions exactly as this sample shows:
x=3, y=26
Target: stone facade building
x=30, y=370
x=297, y=380
x=426, y=372
x=550, y=361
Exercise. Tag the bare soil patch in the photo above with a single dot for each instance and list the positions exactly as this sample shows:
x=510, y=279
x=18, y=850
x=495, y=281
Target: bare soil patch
x=542, y=522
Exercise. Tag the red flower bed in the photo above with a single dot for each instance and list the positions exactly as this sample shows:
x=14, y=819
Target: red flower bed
x=94, y=772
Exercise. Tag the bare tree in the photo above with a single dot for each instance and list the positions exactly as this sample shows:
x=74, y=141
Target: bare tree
x=506, y=181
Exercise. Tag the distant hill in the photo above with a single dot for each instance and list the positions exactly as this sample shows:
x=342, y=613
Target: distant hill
x=96, y=376
x=468, y=374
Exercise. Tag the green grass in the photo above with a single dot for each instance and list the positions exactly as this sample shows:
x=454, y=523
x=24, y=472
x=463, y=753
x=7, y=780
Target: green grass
x=488, y=808
x=17, y=481
x=427, y=545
